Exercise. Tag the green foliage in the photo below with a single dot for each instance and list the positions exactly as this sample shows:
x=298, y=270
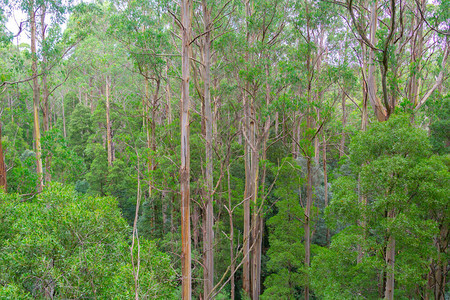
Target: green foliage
x=80, y=128
x=72, y=246
x=286, y=250
x=396, y=173
x=66, y=165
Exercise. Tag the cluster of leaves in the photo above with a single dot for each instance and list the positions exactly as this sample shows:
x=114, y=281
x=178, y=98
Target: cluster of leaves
x=67, y=245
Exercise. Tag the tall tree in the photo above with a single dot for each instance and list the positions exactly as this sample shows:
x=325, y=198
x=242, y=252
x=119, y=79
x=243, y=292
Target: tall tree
x=2, y=164
x=186, y=27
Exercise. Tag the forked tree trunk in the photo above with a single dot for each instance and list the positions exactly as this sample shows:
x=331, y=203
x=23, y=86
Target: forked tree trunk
x=377, y=106
x=37, y=132
x=186, y=8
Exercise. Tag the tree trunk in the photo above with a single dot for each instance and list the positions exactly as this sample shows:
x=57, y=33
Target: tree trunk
x=168, y=98
x=108, y=124
x=325, y=179
x=344, y=123
x=186, y=8
x=230, y=213
x=390, y=263
x=307, y=223
x=2, y=165
x=37, y=132
x=249, y=157
x=378, y=108
x=45, y=95
x=208, y=242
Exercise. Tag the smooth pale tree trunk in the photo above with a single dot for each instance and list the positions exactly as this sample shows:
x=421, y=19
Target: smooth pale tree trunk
x=344, y=123
x=168, y=96
x=151, y=142
x=91, y=92
x=251, y=168
x=375, y=102
x=108, y=123
x=36, y=92
x=257, y=221
x=325, y=178
x=45, y=96
x=208, y=242
x=3, y=184
x=307, y=226
x=186, y=8
x=63, y=118
x=230, y=214
x=309, y=160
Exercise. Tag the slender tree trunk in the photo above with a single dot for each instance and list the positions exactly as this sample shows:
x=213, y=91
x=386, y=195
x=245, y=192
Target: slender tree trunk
x=252, y=164
x=307, y=223
x=45, y=96
x=64, y=118
x=108, y=124
x=3, y=184
x=325, y=179
x=186, y=8
x=168, y=98
x=309, y=159
x=230, y=213
x=344, y=123
x=208, y=243
x=37, y=132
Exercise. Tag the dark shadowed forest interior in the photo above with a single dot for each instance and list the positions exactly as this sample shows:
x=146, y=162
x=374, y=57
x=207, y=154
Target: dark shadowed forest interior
x=225, y=149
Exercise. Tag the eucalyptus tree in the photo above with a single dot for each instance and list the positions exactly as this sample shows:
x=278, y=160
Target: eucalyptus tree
x=388, y=22
x=392, y=166
x=186, y=7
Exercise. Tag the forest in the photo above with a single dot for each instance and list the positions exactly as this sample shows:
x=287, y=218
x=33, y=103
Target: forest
x=223, y=149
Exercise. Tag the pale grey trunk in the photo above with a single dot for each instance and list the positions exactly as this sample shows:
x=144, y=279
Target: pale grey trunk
x=375, y=102
x=186, y=8
x=108, y=124
x=36, y=92
x=2, y=165
x=208, y=243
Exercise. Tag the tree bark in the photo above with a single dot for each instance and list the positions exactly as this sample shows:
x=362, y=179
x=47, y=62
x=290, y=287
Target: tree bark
x=36, y=92
x=230, y=213
x=208, y=243
x=3, y=184
x=186, y=8
x=344, y=123
x=390, y=264
x=45, y=95
x=375, y=102
x=108, y=124
x=325, y=179
x=248, y=129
